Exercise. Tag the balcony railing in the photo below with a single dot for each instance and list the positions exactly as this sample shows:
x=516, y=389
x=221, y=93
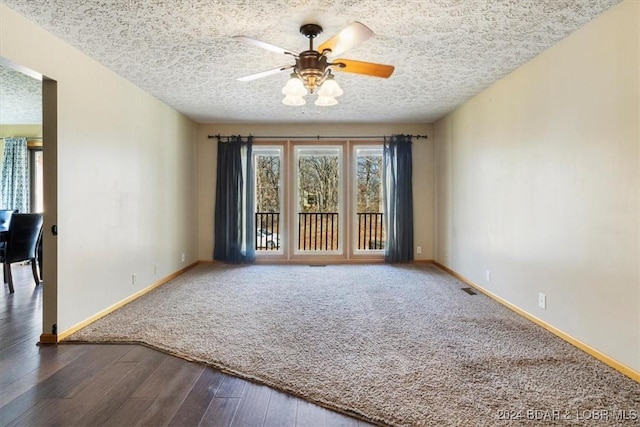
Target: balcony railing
x=370, y=231
x=319, y=231
x=267, y=231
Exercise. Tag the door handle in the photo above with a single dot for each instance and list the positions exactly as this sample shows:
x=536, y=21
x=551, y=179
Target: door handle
x=54, y=229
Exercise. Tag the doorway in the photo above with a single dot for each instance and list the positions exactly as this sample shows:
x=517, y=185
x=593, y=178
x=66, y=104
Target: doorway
x=44, y=168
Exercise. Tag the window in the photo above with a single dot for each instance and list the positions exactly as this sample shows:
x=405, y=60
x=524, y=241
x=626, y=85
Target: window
x=367, y=194
x=37, y=180
x=268, y=162
x=318, y=207
x=318, y=199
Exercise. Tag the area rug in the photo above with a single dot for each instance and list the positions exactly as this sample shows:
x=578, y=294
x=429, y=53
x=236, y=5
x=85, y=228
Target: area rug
x=394, y=345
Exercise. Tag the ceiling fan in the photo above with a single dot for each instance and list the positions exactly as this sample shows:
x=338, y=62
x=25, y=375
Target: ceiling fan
x=312, y=69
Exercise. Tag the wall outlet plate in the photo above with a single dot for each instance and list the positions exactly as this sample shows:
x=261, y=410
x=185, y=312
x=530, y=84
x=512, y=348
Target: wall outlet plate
x=542, y=301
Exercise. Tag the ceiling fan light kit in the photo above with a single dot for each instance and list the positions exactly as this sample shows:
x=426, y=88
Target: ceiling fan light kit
x=326, y=101
x=293, y=100
x=312, y=70
x=294, y=87
x=330, y=87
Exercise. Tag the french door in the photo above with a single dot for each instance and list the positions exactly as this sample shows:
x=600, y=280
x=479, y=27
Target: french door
x=318, y=213
x=318, y=200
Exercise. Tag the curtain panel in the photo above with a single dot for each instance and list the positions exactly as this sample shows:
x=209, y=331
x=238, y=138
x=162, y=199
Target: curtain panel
x=14, y=178
x=398, y=199
x=234, y=225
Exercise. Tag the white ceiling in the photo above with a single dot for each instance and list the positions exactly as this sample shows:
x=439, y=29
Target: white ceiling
x=444, y=51
x=20, y=98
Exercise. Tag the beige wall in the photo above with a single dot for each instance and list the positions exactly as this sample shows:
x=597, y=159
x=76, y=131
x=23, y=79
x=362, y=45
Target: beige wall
x=28, y=131
x=538, y=181
x=126, y=182
x=422, y=153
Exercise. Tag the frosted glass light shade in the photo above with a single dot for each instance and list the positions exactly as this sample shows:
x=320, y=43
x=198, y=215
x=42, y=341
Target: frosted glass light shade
x=330, y=88
x=293, y=101
x=294, y=87
x=326, y=101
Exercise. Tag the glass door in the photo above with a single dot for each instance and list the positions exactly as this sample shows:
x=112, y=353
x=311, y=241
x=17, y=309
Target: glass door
x=318, y=211
x=368, y=218
x=268, y=163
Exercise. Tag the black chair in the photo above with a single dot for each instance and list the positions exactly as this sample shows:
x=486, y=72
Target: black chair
x=20, y=244
x=5, y=218
x=39, y=254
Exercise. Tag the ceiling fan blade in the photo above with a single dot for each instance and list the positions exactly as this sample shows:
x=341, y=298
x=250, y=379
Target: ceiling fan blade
x=360, y=67
x=352, y=35
x=265, y=45
x=264, y=73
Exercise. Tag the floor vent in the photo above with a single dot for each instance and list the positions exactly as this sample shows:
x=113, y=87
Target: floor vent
x=470, y=291
x=317, y=265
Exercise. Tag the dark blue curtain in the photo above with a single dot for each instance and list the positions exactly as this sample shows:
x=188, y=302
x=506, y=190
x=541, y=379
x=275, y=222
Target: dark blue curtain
x=234, y=222
x=398, y=199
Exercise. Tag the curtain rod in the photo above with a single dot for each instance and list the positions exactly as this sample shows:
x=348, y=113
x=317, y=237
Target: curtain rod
x=28, y=137
x=318, y=137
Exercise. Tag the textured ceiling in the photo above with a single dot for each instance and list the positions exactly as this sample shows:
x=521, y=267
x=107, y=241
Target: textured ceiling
x=444, y=51
x=20, y=98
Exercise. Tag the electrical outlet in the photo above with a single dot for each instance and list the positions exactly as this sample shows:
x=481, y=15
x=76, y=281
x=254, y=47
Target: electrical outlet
x=155, y=269
x=134, y=277
x=183, y=257
x=419, y=250
x=542, y=301
x=487, y=275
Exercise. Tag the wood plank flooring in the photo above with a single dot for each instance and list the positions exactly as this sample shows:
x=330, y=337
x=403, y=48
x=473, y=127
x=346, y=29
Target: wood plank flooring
x=125, y=385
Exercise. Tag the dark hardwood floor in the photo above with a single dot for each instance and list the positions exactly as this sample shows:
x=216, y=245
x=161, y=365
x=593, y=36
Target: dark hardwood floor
x=124, y=385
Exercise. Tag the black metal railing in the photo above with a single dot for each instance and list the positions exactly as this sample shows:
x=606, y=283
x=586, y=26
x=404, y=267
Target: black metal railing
x=318, y=231
x=370, y=231
x=267, y=231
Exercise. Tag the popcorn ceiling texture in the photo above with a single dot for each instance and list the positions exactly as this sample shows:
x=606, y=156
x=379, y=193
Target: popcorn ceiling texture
x=444, y=51
x=20, y=98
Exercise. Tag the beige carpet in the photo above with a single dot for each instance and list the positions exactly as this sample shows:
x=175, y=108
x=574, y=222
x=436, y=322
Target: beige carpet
x=396, y=345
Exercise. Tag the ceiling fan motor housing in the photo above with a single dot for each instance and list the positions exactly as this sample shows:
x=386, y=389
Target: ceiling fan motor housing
x=311, y=66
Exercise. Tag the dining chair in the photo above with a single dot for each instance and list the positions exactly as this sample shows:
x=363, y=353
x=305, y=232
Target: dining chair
x=5, y=218
x=20, y=244
x=39, y=254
